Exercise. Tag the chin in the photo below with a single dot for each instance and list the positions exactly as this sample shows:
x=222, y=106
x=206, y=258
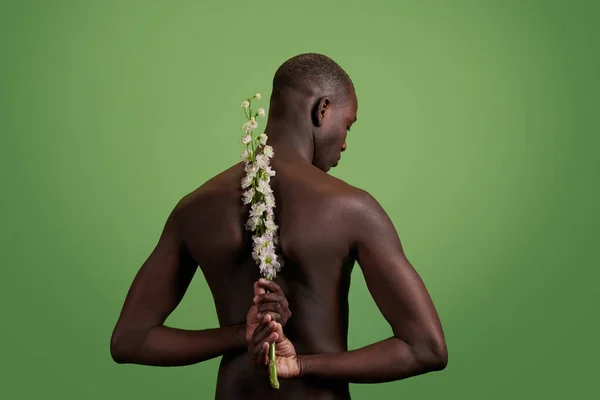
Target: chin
x=322, y=166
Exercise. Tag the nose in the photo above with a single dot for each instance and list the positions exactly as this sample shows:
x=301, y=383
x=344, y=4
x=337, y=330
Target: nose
x=344, y=146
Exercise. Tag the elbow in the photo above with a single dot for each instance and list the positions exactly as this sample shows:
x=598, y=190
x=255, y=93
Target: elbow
x=440, y=358
x=436, y=355
x=431, y=355
x=119, y=349
x=126, y=345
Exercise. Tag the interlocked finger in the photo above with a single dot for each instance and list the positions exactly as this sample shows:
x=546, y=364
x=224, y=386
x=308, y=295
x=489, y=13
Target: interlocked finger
x=262, y=330
x=272, y=297
x=271, y=285
x=263, y=335
x=275, y=310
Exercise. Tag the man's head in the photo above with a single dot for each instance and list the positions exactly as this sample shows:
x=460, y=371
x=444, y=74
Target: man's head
x=314, y=91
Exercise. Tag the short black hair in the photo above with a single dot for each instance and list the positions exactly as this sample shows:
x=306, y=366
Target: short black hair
x=312, y=70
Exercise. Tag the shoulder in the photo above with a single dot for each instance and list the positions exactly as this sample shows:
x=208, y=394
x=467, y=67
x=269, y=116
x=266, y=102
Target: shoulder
x=330, y=187
x=364, y=217
x=354, y=201
x=360, y=212
x=218, y=192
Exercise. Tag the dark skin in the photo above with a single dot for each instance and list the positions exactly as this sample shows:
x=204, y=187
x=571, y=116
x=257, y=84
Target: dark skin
x=325, y=227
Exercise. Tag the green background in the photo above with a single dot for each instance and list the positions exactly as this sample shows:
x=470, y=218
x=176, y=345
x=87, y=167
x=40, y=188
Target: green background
x=477, y=132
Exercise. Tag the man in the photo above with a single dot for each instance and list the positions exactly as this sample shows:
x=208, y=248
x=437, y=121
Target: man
x=325, y=226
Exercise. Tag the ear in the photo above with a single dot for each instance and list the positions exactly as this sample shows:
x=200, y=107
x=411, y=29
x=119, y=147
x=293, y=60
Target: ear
x=320, y=109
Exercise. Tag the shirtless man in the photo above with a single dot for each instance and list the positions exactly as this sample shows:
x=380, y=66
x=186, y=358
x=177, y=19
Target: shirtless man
x=325, y=226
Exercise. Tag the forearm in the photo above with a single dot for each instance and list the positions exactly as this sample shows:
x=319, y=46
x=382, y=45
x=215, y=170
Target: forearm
x=388, y=360
x=166, y=346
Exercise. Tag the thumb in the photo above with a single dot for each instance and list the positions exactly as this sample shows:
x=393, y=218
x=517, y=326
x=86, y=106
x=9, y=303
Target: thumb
x=280, y=336
x=258, y=289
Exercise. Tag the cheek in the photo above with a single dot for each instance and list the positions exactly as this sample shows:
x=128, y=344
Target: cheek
x=334, y=139
x=337, y=139
x=342, y=137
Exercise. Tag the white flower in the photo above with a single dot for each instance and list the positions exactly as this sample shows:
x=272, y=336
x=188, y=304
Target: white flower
x=251, y=170
x=270, y=200
x=246, y=155
x=262, y=138
x=264, y=187
x=246, y=181
x=269, y=263
x=262, y=161
x=253, y=223
x=261, y=216
x=252, y=123
x=259, y=241
x=280, y=261
x=269, y=246
x=248, y=196
x=257, y=251
x=263, y=244
x=270, y=225
x=268, y=151
x=266, y=176
x=273, y=264
x=266, y=269
x=246, y=128
x=257, y=209
x=269, y=171
x=276, y=266
x=249, y=126
x=268, y=239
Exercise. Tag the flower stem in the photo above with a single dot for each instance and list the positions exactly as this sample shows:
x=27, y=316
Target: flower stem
x=272, y=359
x=273, y=367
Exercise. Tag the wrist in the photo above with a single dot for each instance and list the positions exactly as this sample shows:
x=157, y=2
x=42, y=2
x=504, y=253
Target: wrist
x=301, y=361
x=241, y=335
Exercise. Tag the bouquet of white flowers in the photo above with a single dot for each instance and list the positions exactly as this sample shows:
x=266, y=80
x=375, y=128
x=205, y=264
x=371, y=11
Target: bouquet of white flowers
x=259, y=195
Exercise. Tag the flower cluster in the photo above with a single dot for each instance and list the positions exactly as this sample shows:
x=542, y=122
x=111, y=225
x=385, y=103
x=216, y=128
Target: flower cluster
x=258, y=193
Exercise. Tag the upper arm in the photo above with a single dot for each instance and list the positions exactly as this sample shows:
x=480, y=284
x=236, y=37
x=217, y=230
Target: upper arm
x=396, y=287
x=158, y=286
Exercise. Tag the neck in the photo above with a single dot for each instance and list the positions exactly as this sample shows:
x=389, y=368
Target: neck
x=291, y=140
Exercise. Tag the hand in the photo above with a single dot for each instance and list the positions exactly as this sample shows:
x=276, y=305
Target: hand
x=267, y=332
x=274, y=304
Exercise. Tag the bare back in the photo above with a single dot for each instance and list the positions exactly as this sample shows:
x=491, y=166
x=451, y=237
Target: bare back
x=318, y=260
